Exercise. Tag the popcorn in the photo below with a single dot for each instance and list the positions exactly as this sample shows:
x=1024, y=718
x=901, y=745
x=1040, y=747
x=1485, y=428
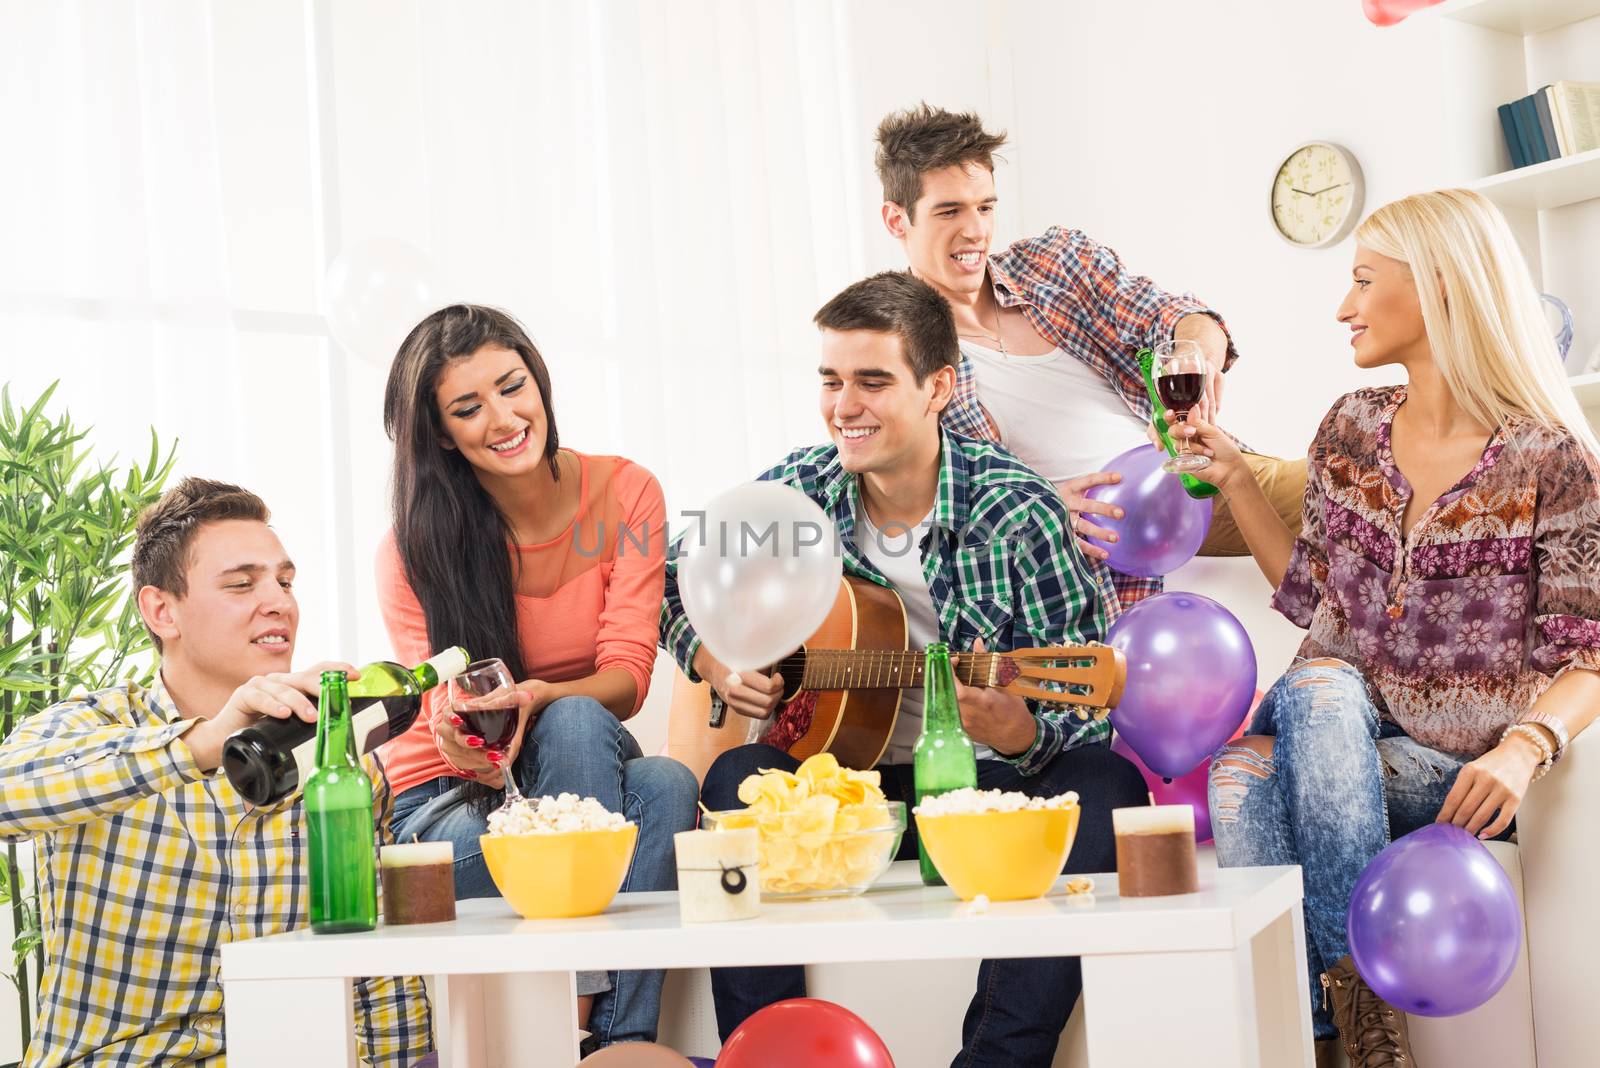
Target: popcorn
x=967, y=801
x=808, y=822
x=554, y=815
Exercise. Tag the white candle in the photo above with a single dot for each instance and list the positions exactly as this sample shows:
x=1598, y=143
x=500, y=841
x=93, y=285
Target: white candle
x=718, y=876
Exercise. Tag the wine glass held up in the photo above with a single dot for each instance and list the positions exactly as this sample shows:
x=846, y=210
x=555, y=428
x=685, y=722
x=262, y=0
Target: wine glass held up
x=1181, y=373
x=486, y=706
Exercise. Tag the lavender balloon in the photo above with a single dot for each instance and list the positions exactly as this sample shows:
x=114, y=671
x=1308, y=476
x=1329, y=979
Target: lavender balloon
x=1433, y=923
x=1191, y=675
x=1162, y=526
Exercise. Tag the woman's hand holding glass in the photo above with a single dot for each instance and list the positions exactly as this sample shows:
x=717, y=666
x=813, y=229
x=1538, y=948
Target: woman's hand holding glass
x=1228, y=469
x=474, y=729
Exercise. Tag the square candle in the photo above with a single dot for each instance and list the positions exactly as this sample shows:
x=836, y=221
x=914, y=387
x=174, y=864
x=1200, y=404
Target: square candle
x=419, y=883
x=1155, y=850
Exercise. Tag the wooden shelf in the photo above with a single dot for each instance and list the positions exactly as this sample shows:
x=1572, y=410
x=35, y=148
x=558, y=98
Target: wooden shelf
x=1587, y=387
x=1517, y=16
x=1543, y=186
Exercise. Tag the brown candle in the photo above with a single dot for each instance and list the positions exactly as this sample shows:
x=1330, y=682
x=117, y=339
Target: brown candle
x=1155, y=850
x=419, y=883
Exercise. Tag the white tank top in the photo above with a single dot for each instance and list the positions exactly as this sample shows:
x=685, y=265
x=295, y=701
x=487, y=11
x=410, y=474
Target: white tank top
x=1055, y=414
x=898, y=556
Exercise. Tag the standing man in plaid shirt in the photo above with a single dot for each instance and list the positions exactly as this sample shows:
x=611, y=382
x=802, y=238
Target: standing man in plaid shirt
x=976, y=547
x=1049, y=328
x=149, y=860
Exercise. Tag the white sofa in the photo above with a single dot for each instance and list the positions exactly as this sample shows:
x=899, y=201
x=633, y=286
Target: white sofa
x=1542, y=1017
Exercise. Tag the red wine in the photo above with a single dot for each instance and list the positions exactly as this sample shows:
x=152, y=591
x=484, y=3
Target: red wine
x=1180, y=392
x=496, y=725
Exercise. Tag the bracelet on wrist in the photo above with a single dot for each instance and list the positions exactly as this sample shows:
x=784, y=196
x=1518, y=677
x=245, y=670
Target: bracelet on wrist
x=1557, y=729
x=1546, y=756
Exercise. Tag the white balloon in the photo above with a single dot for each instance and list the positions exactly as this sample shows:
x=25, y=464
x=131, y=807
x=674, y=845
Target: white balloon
x=760, y=575
x=375, y=292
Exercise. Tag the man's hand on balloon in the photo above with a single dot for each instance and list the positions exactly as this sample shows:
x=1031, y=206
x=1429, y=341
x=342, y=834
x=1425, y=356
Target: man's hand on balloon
x=750, y=693
x=1081, y=507
x=992, y=717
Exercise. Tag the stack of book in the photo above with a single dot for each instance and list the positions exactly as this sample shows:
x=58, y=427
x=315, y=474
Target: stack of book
x=1559, y=120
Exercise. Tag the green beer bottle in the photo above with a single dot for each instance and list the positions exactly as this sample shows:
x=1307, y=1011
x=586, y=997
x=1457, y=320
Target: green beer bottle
x=343, y=841
x=942, y=759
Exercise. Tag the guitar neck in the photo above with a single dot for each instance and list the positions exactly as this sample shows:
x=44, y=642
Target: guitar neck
x=873, y=669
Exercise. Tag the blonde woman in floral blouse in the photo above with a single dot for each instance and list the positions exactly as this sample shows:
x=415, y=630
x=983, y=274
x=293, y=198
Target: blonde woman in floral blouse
x=1445, y=573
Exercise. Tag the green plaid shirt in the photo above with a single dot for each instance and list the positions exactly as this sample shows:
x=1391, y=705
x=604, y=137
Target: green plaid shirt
x=999, y=560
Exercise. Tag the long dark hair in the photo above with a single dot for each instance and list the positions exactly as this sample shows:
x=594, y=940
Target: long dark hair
x=453, y=541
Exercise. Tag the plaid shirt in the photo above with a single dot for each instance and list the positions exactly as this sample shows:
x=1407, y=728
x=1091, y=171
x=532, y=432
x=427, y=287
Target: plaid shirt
x=998, y=559
x=148, y=866
x=1077, y=295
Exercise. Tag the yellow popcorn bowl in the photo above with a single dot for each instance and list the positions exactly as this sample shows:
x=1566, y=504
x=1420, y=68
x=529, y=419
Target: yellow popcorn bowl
x=1005, y=856
x=799, y=863
x=554, y=876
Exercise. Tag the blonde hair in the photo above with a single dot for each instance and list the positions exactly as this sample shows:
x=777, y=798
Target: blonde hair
x=1483, y=316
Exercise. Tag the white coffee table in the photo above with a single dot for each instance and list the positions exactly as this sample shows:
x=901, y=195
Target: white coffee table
x=1209, y=979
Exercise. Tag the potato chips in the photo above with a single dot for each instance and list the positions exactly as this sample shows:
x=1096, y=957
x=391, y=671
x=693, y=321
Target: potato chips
x=822, y=827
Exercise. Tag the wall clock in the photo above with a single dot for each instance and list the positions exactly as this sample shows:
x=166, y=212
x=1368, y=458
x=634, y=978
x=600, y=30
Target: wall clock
x=1317, y=195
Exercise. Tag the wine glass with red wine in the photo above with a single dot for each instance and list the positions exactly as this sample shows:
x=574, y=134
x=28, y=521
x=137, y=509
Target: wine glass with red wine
x=1181, y=373
x=485, y=697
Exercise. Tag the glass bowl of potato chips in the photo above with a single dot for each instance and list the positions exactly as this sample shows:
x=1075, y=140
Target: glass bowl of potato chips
x=825, y=830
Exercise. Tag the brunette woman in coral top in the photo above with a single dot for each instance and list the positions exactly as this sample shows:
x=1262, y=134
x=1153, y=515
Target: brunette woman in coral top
x=551, y=560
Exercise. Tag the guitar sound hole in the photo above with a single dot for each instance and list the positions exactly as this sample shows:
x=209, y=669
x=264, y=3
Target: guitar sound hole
x=792, y=673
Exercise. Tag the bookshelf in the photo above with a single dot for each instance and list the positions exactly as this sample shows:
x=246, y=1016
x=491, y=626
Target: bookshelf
x=1587, y=387
x=1545, y=186
x=1522, y=17
x=1493, y=52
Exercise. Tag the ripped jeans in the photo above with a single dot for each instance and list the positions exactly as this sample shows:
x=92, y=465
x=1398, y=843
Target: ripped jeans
x=1337, y=785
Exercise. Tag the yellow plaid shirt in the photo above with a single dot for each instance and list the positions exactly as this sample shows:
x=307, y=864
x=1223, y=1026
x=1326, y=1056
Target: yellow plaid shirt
x=148, y=866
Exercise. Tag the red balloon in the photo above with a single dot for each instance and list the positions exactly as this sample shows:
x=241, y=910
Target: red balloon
x=804, y=1033
x=1389, y=12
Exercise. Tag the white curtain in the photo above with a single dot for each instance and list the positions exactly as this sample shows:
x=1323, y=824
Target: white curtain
x=663, y=193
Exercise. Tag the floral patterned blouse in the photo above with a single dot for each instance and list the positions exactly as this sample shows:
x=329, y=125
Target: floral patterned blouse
x=1459, y=627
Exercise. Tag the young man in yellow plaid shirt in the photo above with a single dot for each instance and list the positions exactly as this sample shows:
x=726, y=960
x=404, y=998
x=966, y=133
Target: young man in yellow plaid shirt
x=149, y=860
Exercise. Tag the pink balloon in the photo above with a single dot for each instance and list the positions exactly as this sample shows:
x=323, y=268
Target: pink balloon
x=1188, y=789
x=1389, y=12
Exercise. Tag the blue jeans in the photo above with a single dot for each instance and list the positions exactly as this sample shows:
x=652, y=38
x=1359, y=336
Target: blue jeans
x=576, y=746
x=1339, y=784
x=1016, y=1017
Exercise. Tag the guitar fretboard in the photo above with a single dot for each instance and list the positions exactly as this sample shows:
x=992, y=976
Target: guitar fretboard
x=852, y=669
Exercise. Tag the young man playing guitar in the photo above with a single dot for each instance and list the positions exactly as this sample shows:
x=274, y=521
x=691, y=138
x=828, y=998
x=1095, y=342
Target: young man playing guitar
x=978, y=548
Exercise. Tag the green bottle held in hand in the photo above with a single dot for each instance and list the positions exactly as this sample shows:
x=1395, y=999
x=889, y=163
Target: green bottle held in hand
x=942, y=759
x=1192, y=486
x=342, y=837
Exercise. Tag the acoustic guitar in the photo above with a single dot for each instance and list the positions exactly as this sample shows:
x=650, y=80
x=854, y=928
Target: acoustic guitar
x=842, y=687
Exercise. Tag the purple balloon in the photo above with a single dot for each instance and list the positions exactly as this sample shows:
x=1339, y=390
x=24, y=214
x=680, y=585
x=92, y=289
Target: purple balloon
x=702, y=1062
x=1433, y=923
x=1191, y=676
x=1162, y=526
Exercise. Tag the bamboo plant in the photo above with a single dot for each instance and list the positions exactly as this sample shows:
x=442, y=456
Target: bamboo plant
x=68, y=620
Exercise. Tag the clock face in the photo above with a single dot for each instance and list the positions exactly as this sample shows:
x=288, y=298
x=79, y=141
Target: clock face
x=1316, y=196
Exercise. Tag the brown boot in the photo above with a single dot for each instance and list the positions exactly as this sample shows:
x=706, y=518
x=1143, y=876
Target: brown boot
x=1372, y=1032
x=1328, y=1053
